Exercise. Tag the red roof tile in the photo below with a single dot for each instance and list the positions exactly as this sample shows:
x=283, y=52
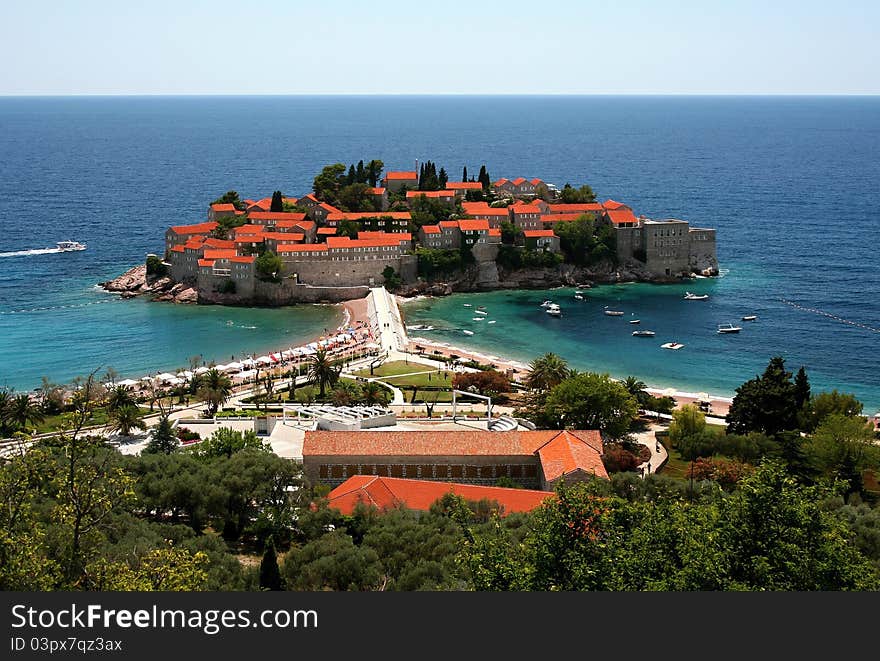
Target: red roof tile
x=326, y=231
x=401, y=175
x=464, y=185
x=362, y=215
x=573, y=208
x=431, y=229
x=200, y=228
x=276, y=215
x=223, y=207
x=447, y=224
x=535, y=182
x=519, y=181
x=219, y=254
x=178, y=248
x=501, y=182
x=567, y=453
x=300, y=247
x=611, y=204
x=494, y=231
x=621, y=215
x=389, y=492
x=243, y=259
x=533, y=234
x=376, y=191
x=206, y=262
x=411, y=194
x=473, y=225
x=560, y=217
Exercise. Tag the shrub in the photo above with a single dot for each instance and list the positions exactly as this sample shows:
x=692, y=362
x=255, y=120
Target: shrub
x=156, y=266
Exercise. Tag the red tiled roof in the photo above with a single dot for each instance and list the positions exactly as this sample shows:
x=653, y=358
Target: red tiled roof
x=376, y=191
x=611, y=204
x=310, y=198
x=400, y=236
x=473, y=225
x=518, y=181
x=249, y=229
x=572, y=208
x=242, y=259
x=449, y=223
x=501, y=182
x=276, y=215
x=218, y=243
x=262, y=204
x=410, y=194
x=494, y=231
x=483, y=209
x=567, y=453
x=178, y=248
x=389, y=492
x=300, y=247
x=206, y=262
x=401, y=175
x=219, y=254
x=621, y=215
x=326, y=231
x=533, y=234
x=348, y=242
x=361, y=215
x=431, y=229
x=305, y=225
x=464, y=185
x=329, y=208
x=223, y=207
x=284, y=237
x=522, y=207
x=535, y=182
x=200, y=228
x=289, y=200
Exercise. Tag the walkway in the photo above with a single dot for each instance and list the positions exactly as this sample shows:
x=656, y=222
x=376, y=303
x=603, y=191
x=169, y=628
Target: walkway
x=658, y=450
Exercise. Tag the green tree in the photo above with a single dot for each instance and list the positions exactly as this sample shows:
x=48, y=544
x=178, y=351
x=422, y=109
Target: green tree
x=484, y=179
x=19, y=411
x=843, y=447
x=230, y=197
x=225, y=442
x=509, y=232
x=322, y=371
x=162, y=440
x=590, y=401
x=268, y=266
x=636, y=388
x=687, y=422
x=374, y=172
x=374, y=394
x=464, y=174
x=165, y=569
x=126, y=418
x=348, y=228
x=582, y=195
x=802, y=388
x=829, y=403
x=277, y=205
x=332, y=562
x=392, y=279
x=442, y=178
x=120, y=396
x=766, y=404
x=547, y=371
x=270, y=575
x=156, y=267
x=214, y=387
x=356, y=197
x=329, y=182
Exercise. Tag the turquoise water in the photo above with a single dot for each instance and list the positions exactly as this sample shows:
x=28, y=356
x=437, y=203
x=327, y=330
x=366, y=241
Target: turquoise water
x=708, y=362
x=790, y=183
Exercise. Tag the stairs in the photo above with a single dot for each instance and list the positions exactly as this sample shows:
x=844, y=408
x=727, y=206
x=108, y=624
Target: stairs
x=504, y=423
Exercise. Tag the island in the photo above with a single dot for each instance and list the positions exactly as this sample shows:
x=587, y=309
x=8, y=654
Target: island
x=414, y=232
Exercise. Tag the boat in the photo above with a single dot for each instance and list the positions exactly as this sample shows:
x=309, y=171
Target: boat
x=643, y=333
x=481, y=307
x=672, y=345
x=467, y=332
x=547, y=303
x=492, y=322
x=478, y=319
x=688, y=296
x=579, y=297
x=480, y=312
x=635, y=321
x=70, y=246
x=614, y=313
x=467, y=305
x=420, y=327
x=750, y=317
x=728, y=328
x=554, y=310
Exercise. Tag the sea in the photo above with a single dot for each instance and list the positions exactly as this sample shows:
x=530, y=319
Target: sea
x=792, y=185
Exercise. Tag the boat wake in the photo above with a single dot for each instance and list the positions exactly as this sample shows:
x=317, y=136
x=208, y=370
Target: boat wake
x=822, y=313
x=35, y=251
x=61, y=307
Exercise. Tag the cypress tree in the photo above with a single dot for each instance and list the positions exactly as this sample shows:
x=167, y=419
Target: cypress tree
x=351, y=175
x=802, y=388
x=277, y=202
x=442, y=178
x=483, y=177
x=360, y=174
x=464, y=174
x=270, y=576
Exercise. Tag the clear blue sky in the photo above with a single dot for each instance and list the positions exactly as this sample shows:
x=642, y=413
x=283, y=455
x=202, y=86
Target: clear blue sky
x=392, y=47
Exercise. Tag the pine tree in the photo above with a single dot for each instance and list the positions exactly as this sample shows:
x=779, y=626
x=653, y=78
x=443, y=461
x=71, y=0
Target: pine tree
x=464, y=174
x=442, y=178
x=277, y=202
x=270, y=576
x=802, y=388
x=164, y=440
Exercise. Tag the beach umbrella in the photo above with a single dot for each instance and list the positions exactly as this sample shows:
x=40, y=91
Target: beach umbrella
x=127, y=382
x=202, y=370
x=165, y=376
x=232, y=367
x=264, y=360
x=703, y=396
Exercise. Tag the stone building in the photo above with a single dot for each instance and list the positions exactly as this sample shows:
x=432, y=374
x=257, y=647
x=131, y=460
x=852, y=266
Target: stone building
x=534, y=459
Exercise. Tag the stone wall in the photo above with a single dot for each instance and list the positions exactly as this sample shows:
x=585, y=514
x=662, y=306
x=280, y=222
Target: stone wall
x=702, y=256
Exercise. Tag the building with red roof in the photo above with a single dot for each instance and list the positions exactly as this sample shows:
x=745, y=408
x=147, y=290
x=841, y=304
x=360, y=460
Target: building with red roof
x=387, y=493
x=543, y=239
x=394, y=181
x=218, y=210
x=445, y=196
x=534, y=459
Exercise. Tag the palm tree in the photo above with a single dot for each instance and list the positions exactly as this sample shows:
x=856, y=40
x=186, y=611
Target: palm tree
x=374, y=394
x=118, y=397
x=322, y=371
x=126, y=418
x=5, y=399
x=18, y=411
x=635, y=387
x=215, y=387
x=547, y=372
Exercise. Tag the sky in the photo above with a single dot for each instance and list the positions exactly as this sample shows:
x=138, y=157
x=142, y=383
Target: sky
x=393, y=47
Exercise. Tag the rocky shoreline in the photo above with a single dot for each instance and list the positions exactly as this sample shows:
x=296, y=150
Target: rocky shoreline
x=136, y=282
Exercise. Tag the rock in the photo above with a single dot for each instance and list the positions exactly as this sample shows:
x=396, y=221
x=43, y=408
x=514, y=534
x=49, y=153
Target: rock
x=188, y=295
x=132, y=280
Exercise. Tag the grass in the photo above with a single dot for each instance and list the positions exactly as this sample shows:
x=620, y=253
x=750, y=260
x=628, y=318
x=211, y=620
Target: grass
x=99, y=416
x=394, y=368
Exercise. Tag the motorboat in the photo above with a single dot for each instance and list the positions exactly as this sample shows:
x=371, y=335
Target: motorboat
x=492, y=322
x=554, y=310
x=70, y=246
x=728, y=328
x=672, y=345
x=467, y=332
x=547, y=303
x=478, y=318
x=614, y=313
x=688, y=296
x=578, y=296
x=643, y=333
x=467, y=305
x=635, y=321
x=480, y=312
x=750, y=317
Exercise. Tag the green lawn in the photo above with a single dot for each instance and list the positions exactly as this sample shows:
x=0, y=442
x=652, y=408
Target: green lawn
x=57, y=422
x=394, y=368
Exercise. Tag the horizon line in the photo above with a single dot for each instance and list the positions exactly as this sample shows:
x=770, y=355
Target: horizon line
x=434, y=94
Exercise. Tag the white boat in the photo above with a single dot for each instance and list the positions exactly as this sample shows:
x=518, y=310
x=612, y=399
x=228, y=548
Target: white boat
x=643, y=333
x=467, y=332
x=467, y=305
x=554, y=310
x=614, y=313
x=70, y=246
x=672, y=345
x=578, y=297
x=635, y=321
x=480, y=312
x=695, y=297
x=478, y=318
x=750, y=317
x=547, y=303
x=492, y=322
x=420, y=327
x=728, y=328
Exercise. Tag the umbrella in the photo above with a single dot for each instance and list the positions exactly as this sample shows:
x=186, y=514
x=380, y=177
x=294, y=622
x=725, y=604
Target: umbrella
x=703, y=396
x=126, y=382
x=232, y=367
x=186, y=374
x=264, y=360
x=165, y=376
x=202, y=370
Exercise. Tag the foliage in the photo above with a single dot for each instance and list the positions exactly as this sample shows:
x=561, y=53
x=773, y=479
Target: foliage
x=571, y=195
x=18, y=411
x=230, y=197
x=687, y=422
x=227, y=287
x=489, y=382
x=428, y=211
x=435, y=262
x=225, y=442
x=156, y=267
x=392, y=279
x=511, y=257
x=332, y=562
x=268, y=266
x=126, y=418
x=162, y=569
x=322, y=371
x=329, y=181
x=120, y=396
x=277, y=204
x=214, y=387
x=509, y=232
x=766, y=404
x=589, y=401
x=163, y=440
x=270, y=575
x=617, y=458
x=829, y=403
x=725, y=472
x=547, y=371
x=843, y=447
x=584, y=242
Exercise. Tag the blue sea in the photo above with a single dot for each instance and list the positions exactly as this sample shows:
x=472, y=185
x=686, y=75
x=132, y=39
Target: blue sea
x=790, y=183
